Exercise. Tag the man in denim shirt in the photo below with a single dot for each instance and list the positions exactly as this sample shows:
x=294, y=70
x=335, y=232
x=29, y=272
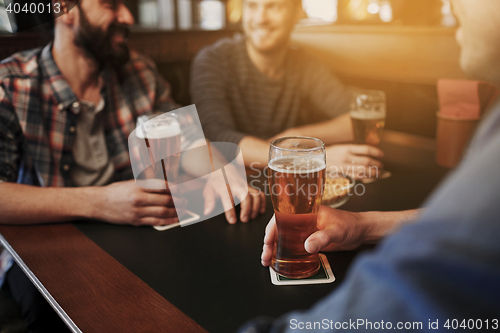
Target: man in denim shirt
x=446, y=265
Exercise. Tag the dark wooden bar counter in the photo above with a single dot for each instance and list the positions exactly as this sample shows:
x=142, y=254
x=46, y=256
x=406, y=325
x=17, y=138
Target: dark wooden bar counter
x=109, y=278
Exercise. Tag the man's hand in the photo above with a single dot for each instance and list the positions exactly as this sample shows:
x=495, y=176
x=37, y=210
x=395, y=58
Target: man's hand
x=358, y=161
x=338, y=230
x=127, y=203
x=251, y=204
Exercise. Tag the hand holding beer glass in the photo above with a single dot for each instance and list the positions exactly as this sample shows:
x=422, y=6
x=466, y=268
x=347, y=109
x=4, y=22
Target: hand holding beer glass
x=368, y=112
x=296, y=179
x=158, y=144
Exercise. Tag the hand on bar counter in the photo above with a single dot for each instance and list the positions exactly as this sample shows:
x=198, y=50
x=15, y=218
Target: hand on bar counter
x=357, y=161
x=252, y=204
x=126, y=203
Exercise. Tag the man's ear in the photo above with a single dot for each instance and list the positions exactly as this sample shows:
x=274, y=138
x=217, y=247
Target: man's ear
x=299, y=14
x=65, y=15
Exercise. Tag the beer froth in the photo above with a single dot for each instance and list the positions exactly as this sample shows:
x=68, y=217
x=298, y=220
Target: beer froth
x=366, y=115
x=159, y=131
x=297, y=164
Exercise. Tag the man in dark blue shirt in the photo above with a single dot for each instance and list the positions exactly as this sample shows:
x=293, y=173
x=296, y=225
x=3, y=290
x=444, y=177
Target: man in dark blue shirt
x=443, y=271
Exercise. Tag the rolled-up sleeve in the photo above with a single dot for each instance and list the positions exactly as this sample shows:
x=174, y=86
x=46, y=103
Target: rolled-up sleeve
x=10, y=139
x=208, y=92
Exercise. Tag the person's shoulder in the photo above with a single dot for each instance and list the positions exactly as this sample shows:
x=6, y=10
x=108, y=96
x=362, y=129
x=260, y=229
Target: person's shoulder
x=309, y=66
x=303, y=58
x=222, y=49
x=20, y=65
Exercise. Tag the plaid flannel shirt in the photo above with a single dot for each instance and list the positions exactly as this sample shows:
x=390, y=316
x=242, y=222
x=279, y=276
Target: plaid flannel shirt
x=38, y=115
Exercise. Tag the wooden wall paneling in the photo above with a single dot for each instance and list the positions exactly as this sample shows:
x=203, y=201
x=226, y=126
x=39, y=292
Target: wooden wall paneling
x=403, y=54
x=161, y=46
x=164, y=46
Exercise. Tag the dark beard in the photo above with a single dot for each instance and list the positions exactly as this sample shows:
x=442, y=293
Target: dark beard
x=97, y=43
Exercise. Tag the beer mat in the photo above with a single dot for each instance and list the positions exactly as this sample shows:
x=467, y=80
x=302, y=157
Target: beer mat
x=189, y=218
x=324, y=275
x=383, y=175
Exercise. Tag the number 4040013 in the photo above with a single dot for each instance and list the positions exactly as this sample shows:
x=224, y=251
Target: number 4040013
x=33, y=8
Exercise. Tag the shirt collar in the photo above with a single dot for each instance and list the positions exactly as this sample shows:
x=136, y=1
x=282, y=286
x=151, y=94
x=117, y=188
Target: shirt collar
x=65, y=97
x=63, y=93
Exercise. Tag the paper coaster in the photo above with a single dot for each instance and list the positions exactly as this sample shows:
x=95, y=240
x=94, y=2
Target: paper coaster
x=324, y=275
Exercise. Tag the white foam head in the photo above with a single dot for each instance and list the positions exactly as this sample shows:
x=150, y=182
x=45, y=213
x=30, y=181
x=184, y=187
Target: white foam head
x=297, y=164
x=367, y=115
x=158, y=131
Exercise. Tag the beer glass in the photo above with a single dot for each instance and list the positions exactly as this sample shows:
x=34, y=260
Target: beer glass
x=162, y=135
x=296, y=173
x=368, y=116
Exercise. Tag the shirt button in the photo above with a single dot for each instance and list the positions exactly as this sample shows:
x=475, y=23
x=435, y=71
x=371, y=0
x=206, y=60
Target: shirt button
x=72, y=129
x=76, y=105
x=60, y=107
x=65, y=167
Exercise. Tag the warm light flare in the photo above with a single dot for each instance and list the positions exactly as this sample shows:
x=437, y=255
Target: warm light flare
x=322, y=9
x=373, y=8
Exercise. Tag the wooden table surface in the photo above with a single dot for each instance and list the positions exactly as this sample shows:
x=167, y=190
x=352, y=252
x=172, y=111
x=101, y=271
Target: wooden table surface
x=97, y=280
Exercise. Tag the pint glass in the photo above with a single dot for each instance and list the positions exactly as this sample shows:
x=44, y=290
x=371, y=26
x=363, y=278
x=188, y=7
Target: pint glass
x=162, y=135
x=367, y=116
x=296, y=178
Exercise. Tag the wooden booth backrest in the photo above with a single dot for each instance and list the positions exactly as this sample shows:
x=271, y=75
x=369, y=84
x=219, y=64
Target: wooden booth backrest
x=405, y=62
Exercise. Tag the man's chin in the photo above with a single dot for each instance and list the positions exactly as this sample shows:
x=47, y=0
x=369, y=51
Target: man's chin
x=266, y=47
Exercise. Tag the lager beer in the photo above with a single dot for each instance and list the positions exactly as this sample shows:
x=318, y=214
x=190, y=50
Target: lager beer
x=163, y=139
x=367, y=116
x=296, y=185
x=367, y=127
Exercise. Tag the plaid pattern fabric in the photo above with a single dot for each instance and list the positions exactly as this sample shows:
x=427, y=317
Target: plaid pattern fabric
x=39, y=111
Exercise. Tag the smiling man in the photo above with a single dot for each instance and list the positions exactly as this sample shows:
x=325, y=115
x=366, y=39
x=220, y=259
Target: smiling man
x=252, y=88
x=66, y=111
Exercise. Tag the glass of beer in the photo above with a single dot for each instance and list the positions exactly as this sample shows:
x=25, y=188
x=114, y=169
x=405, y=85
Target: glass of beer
x=368, y=116
x=162, y=135
x=296, y=178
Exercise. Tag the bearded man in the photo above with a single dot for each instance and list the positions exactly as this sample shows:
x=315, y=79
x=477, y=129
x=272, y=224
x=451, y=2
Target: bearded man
x=66, y=111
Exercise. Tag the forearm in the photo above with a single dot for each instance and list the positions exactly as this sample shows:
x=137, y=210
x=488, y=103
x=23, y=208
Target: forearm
x=334, y=131
x=24, y=204
x=380, y=224
x=255, y=151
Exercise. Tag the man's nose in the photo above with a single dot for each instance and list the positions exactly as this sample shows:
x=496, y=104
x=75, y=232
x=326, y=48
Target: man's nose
x=124, y=16
x=261, y=15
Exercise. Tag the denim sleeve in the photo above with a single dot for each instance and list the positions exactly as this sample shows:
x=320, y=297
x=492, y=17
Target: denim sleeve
x=443, y=267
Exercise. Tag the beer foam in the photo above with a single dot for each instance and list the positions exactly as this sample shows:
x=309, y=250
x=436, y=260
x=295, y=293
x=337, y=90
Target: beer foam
x=367, y=115
x=297, y=164
x=158, y=131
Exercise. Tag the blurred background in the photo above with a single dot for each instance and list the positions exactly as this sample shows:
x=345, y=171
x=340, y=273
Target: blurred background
x=399, y=46
x=224, y=14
